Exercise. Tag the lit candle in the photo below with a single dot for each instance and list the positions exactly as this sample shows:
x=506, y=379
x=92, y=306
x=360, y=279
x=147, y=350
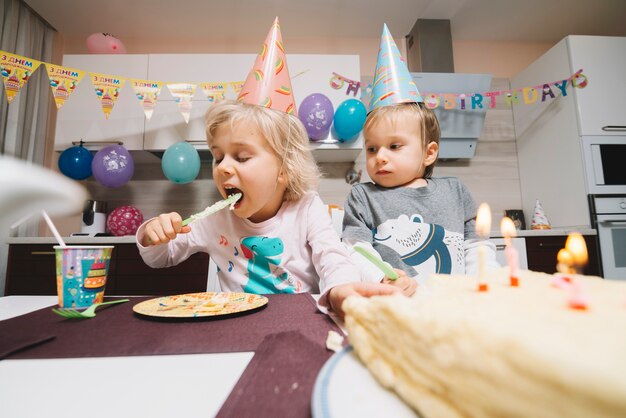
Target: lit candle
x=507, y=228
x=577, y=247
x=483, y=225
x=563, y=266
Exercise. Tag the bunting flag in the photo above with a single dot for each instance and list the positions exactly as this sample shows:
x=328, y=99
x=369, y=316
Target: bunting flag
x=183, y=93
x=236, y=86
x=147, y=92
x=63, y=82
x=15, y=70
x=214, y=91
x=107, y=89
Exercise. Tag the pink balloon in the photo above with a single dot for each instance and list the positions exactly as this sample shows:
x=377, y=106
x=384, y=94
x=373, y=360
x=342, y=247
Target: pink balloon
x=124, y=220
x=104, y=43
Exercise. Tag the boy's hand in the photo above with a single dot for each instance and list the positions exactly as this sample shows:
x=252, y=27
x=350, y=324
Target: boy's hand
x=406, y=284
x=164, y=229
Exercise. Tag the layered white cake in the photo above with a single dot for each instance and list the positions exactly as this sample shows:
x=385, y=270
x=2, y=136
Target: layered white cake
x=548, y=348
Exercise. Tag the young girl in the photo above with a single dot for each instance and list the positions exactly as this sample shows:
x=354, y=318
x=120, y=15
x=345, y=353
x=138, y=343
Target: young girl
x=279, y=237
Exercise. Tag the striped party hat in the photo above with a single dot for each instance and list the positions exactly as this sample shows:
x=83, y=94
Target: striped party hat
x=392, y=82
x=268, y=83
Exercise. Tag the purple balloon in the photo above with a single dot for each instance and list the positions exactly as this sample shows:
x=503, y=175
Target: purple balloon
x=113, y=166
x=316, y=113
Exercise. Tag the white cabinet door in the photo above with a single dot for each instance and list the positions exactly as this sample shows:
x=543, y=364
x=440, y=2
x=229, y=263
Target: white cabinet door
x=601, y=103
x=310, y=74
x=519, y=244
x=82, y=118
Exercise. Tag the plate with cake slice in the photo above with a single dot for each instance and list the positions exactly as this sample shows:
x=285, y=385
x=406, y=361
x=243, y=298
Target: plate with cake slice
x=201, y=305
x=344, y=387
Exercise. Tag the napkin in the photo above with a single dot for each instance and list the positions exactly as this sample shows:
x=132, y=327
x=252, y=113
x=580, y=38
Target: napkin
x=279, y=378
x=12, y=343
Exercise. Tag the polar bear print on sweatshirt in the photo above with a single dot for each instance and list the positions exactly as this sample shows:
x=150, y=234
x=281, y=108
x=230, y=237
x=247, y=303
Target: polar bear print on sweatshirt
x=417, y=242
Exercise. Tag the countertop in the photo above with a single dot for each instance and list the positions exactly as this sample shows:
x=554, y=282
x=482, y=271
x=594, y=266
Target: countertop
x=130, y=239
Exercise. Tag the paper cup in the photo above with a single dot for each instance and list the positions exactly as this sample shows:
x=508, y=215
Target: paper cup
x=81, y=274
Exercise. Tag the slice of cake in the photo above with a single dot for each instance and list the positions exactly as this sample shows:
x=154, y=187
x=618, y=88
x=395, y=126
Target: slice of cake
x=548, y=348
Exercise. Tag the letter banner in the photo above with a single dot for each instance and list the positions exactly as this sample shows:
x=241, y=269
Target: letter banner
x=183, y=93
x=107, y=88
x=476, y=100
x=15, y=71
x=147, y=92
x=337, y=82
x=63, y=82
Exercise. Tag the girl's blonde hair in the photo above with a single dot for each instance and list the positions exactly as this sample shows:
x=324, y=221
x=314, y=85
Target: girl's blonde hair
x=285, y=135
x=420, y=114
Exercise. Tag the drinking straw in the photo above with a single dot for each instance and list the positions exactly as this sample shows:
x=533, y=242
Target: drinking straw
x=53, y=229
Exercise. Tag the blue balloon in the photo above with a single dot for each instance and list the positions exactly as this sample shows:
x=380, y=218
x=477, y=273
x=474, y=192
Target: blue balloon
x=181, y=163
x=75, y=162
x=349, y=119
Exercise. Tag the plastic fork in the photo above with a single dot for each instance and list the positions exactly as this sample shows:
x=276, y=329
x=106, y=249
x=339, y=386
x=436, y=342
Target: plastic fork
x=90, y=312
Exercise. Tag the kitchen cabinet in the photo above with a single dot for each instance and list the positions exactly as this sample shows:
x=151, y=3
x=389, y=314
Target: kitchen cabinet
x=550, y=134
x=541, y=252
x=31, y=271
x=81, y=116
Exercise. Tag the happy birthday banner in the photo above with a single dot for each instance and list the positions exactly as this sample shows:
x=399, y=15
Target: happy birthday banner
x=16, y=70
x=464, y=101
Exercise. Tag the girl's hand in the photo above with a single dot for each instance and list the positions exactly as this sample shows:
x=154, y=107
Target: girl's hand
x=164, y=229
x=406, y=284
x=338, y=294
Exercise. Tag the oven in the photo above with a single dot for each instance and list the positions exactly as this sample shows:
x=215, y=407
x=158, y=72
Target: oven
x=608, y=215
x=604, y=161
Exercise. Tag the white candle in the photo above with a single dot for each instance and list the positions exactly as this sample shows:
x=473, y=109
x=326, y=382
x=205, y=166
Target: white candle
x=483, y=225
x=507, y=228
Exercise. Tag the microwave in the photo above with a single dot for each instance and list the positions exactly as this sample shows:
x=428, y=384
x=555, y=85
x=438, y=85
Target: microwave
x=605, y=164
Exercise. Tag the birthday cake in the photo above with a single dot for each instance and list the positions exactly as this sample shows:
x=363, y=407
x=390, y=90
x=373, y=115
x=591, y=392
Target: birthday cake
x=553, y=347
x=97, y=276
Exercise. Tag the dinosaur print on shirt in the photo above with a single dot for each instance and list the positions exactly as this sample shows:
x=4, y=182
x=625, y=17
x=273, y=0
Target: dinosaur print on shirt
x=264, y=272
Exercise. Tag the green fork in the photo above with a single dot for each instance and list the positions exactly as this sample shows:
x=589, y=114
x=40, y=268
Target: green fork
x=90, y=312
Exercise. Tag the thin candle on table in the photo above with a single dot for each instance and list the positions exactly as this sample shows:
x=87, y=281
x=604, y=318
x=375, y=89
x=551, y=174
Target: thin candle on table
x=483, y=225
x=507, y=228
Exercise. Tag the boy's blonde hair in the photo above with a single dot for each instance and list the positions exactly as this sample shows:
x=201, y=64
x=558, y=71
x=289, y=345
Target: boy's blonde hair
x=285, y=135
x=422, y=115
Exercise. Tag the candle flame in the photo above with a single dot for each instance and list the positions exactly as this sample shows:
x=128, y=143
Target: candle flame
x=577, y=247
x=507, y=228
x=483, y=221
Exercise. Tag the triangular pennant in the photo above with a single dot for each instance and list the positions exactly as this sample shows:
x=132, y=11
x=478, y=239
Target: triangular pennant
x=147, y=92
x=15, y=71
x=183, y=93
x=214, y=91
x=236, y=86
x=392, y=82
x=107, y=89
x=268, y=83
x=63, y=82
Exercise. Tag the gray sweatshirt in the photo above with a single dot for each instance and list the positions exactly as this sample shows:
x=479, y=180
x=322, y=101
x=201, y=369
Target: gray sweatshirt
x=422, y=230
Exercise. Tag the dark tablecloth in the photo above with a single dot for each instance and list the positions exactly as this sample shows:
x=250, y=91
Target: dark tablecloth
x=288, y=338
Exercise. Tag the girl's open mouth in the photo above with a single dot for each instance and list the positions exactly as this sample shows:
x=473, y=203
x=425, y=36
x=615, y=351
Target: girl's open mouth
x=232, y=191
